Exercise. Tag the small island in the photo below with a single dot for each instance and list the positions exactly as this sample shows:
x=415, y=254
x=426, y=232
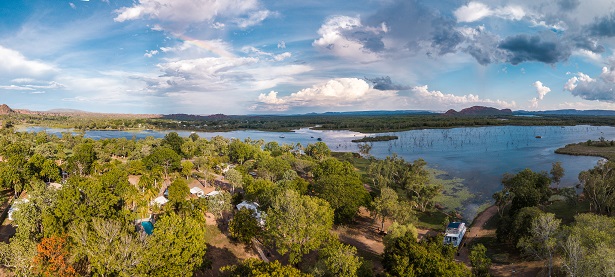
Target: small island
x=375, y=138
x=600, y=148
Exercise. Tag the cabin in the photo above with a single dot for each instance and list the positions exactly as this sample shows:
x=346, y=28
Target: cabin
x=160, y=200
x=454, y=233
x=197, y=191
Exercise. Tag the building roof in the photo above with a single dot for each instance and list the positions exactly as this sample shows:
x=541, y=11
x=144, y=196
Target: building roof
x=160, y=200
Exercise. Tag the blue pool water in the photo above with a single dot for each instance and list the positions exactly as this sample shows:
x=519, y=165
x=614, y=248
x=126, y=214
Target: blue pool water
x=148, y=227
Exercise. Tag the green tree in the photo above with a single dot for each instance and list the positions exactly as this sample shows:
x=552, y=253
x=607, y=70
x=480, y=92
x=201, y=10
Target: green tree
x=599, y=187
x=187, y=167
x=386, y=205
x=542, y=242
x=345, y=194
x=240, y=151
x=244, y=226
x=297, y=224
x=407, y=257
x=163, y=157
x=220, y=203
x=176, y=247
x=318, y=151
x=338, y=259
x=557, y=173
x=528, y=189
x=108, y=246
x=178, y=192
x=82, y=159
x=479, y=261
x=235, y=178
x=174, y=142
x=397, y=230
x=257, y=268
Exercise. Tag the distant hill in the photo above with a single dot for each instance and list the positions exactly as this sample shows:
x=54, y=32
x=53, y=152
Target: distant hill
x=396, y=112
x=568, y=112
x=479, y=110
x=5, y=109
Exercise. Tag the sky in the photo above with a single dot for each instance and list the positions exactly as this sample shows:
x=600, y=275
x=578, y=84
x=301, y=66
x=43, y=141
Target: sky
x=293, y=57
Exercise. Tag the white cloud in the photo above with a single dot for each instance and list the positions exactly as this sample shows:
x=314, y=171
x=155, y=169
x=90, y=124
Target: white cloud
x=341, y=92
x=189, y=11
x=475, y=11
x=282, y=45
x=346, y=37
x=600, y=88
x=15, y=64
x=541, y=89
x=150, y=53
x=435, y=98
x=271, y=56
x=195, y=47
x=72, y=5
x=254, y=18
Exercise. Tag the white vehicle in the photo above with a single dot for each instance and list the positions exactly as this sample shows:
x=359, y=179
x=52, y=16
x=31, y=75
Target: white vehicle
x=454, y=233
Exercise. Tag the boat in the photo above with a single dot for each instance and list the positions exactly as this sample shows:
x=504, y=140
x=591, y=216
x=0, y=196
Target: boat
x=454, y=233
x=319, y=139
x=282, y=136
x=538, y=136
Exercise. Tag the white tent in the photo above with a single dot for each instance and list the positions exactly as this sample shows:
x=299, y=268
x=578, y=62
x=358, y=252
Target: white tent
x=160, y=200
x=213, y=193
x=197, y=191
x=254, y=207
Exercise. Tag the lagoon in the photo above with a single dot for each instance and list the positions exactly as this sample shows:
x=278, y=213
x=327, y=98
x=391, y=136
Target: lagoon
x=478, y=155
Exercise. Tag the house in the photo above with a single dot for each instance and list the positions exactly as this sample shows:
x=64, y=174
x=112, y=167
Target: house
x=454, y=233
x=254, y=207
x=197, y=191
x=160, y=200
x=15, y=207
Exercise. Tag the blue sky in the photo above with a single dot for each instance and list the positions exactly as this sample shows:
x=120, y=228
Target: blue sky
x=265, y=56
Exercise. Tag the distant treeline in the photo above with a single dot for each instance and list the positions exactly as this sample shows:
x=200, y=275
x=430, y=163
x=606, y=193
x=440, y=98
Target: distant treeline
x=358, y=123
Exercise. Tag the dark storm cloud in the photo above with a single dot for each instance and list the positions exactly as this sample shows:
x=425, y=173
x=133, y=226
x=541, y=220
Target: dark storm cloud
x=385, y=83
x=589, y=44
x=568, y=5
x=446, y=39
x=371, y=41
x=525, y=48
x=603, y=26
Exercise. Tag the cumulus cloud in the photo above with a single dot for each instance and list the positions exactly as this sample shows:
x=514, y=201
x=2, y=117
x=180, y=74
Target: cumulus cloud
x=346, y=37
x=334, y=93
x=601, y=88
x=422, y=94
x=15, y=64
x=541, y=90
x=268, y=55
x=475, y=11
x=150, y=53
x=385, y=83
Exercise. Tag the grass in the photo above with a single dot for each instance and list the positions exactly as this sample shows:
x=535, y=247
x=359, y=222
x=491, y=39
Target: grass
x=454, y=192
x=582, y=149
x=360, y=163
x=433, y=220
x=566, y=211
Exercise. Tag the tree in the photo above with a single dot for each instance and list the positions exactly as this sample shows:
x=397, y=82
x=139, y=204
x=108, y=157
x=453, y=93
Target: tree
x=252, y=267
x=479, y=260
x=502, y=198
x=528, y=189
x=220, y=203
x=386, y=205
x=178, y=192
x=397, y=230
x=345, y=194
x=542, y=242
x=52, y=258
x=82, y=159
x=364, y=148
x=244, y=226
x=297, y=224
x=50, y=171
x=108, y=247
x=18, y=255
x=187, y=167
x=338, y=259
x=599, y=187
x=318, y=151
x=557, y=173
x=164, y=157
x=235, y=178
x=407, y=257
x=173, y=141
x=176, y=247
x=240, y=151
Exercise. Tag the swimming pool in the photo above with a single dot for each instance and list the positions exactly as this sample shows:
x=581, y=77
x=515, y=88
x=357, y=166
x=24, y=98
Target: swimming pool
x=148, y=227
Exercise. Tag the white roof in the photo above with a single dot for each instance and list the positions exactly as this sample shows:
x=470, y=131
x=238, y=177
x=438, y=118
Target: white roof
x=215, y=192
x=160, y=200
x=196, y=190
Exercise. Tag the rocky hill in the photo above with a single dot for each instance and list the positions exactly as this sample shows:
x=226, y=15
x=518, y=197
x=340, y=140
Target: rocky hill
x=479, y=110
x=4, y=109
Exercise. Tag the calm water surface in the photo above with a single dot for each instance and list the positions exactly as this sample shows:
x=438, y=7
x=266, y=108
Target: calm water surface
x=480, y=156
